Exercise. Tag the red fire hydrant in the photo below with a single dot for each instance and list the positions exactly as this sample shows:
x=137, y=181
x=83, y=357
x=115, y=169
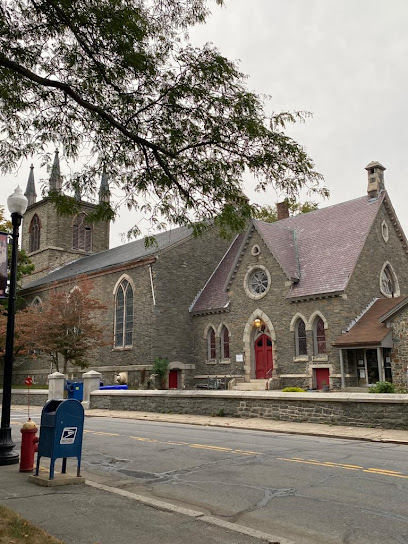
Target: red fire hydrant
x=28, y=446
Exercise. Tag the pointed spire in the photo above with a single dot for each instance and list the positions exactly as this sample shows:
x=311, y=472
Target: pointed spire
x=30, y=190
x=55, y=178
x=104, y=193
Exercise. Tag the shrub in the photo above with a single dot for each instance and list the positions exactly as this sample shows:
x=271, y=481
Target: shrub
x=293, y=390
x=382, y=387
x=161, y=368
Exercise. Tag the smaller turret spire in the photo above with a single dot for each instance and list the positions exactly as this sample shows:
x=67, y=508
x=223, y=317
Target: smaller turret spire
x=104, y=193
x=30, y=190
x=55, y=178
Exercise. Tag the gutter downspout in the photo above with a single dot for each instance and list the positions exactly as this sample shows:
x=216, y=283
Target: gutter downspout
x=151, y=284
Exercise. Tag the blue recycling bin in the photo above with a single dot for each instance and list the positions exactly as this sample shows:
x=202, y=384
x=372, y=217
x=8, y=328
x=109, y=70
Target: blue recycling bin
x=61, y=431
x=75, y=390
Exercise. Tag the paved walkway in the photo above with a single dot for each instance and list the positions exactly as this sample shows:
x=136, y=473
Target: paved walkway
x=269, y=425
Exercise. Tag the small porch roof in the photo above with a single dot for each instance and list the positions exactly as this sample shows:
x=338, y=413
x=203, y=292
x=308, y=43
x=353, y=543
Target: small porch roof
x=369, y=330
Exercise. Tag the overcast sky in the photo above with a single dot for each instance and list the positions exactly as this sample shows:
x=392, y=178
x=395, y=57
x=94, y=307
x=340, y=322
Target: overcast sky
x=346, y=62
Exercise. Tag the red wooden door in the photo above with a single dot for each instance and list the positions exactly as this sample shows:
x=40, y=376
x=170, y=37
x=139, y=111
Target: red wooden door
x=263, y=357
x=322, y=377
x=173, y=382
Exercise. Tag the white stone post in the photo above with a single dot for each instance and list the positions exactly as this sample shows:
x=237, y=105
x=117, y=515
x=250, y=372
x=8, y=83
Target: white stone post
x=56, y=385
x=92, y=380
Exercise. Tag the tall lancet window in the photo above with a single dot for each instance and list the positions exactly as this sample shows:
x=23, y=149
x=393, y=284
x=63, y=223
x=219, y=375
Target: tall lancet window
x=124, y=315
x=81, y=233
x=34, y=234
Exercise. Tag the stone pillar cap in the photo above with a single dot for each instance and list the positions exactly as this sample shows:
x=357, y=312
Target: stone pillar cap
x=55, y=375
x=91, y=374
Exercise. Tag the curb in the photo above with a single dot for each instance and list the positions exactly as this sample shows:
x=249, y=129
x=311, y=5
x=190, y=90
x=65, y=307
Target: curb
x=197, y=515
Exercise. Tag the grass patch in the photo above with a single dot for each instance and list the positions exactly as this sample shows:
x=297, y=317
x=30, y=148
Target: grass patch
x=16, y=530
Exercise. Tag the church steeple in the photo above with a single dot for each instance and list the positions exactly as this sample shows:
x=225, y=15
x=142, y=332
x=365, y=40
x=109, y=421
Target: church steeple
x=55, y=178
x=30, y=190
x=104, y=193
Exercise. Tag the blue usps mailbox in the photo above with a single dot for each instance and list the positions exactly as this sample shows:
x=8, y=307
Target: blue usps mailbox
x=62, y=427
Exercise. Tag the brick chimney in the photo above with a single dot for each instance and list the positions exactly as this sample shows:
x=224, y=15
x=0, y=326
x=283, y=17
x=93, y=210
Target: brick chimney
x=283, y=210
x=376, y=185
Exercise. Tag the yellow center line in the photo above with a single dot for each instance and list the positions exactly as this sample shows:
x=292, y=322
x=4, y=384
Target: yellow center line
x=176, y=443
x=143, y=439
x=386, y=471
x=382, y=472
x=370, y=471
x=204, y=446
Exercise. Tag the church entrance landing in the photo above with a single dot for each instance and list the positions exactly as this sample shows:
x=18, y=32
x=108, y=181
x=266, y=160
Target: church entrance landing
x=263, y=357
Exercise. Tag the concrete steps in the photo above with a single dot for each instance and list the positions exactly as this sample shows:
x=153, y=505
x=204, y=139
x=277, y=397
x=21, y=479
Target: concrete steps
x=252, y=385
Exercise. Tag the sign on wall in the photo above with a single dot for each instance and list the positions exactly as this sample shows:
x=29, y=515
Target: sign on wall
x=3, y=264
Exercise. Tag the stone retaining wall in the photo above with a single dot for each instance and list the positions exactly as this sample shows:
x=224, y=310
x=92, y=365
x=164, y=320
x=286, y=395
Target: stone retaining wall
x=38, y=397
x=355, y=409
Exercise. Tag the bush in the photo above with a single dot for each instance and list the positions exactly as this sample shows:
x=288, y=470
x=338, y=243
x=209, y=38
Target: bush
x=293, y=390
x=161, y=368
x=382, y=387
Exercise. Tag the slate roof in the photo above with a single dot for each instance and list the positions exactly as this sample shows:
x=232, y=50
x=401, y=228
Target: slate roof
x=214, y=295
x=317, y=250
x=329, y=243
x=370, y=329
x=132, y=251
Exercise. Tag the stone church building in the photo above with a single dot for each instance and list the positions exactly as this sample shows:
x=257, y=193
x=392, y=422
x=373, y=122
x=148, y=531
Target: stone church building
x=318, y=300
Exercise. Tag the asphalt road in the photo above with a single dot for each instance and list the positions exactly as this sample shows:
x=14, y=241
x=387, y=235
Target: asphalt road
x=309, y=489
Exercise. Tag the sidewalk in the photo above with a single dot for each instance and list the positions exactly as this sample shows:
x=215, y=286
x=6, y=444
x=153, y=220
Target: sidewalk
x=91, y=515
x=268, y=425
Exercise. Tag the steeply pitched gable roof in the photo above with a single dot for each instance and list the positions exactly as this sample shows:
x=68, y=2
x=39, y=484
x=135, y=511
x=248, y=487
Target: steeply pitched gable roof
x=132, y=251
x=317, y=250
x=330, y=241
x=214, y=295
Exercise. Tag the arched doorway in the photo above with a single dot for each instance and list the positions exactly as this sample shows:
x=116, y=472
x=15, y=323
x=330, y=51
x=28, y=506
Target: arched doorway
x=263, y=357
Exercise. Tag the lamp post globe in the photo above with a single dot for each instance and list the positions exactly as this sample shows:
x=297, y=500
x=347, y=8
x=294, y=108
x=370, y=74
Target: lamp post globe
x=17, y=202
x=17, y=205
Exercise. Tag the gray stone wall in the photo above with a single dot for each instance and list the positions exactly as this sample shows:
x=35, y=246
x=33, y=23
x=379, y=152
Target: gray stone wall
x=19, y=397
x=364, y=410
x=56, y=238
x=399, y=352
x=178, y=275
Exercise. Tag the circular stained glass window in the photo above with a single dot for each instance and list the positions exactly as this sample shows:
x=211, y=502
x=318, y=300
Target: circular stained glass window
x=258, y=282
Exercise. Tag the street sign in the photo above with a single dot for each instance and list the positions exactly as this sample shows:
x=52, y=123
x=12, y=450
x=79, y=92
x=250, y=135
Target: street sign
x=28, y=380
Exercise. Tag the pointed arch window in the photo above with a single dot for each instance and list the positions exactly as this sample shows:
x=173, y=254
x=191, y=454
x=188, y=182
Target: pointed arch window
x=81, y=233
x=124, y=315
x=300, y=338
x=389, y=285
x=211, y=350
x=34, y=234
x=319, y=337
x=225, y=343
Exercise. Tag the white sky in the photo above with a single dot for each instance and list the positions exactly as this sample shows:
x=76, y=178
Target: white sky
x=346, y=62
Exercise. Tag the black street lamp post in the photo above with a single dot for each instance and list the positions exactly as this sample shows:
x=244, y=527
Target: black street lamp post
x=17, y=205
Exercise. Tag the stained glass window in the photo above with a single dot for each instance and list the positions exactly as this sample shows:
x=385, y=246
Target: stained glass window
x=225, y=347
x=301, y=343
x=319, y=336
x=124, y=315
